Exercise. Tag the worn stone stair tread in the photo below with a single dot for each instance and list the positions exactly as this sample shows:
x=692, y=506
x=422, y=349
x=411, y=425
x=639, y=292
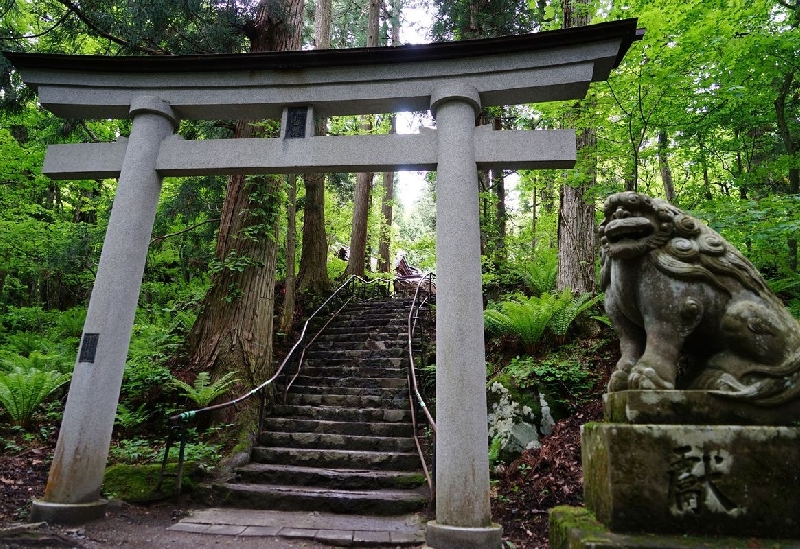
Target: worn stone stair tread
x=339, y=427
x=336, y=441
x=313, y=457
x=333, y=451
x=357, y=391
x=382, y=493
x=371, y=382
x=339, y=477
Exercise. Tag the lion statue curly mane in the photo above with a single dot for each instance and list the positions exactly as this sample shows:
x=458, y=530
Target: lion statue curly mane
x=674, y=285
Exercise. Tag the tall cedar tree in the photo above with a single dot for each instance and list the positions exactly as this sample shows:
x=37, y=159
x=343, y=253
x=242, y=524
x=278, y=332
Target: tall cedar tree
x=361, y=199
x=233, y=331
x=313, y=273
x=576, y=225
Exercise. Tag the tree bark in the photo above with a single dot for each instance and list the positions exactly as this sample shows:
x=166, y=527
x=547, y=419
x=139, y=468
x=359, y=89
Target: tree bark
x=663, y=164
x=234, y=329
x=361, y=198
x=358, y=237
x=385, y=262
x=313, y=273
x=501, y=214
x=576, y=225
x=791, y=149
x=287, y=314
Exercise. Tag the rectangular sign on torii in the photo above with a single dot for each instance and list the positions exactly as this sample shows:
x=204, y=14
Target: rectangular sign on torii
x=454, y=80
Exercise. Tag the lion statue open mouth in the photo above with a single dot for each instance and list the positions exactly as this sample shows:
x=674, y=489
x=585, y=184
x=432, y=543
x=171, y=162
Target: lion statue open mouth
x=674, y=285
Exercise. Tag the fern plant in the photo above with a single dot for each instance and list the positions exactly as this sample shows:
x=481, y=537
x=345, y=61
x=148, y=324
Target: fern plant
x=540, y=276
x=202, y=392
x=522, y=318
x=23, y=389
x=568, y=308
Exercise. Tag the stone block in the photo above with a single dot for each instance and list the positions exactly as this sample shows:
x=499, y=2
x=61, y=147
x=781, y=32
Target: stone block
x=694, y=408
x=706, y=480
x=576, y=528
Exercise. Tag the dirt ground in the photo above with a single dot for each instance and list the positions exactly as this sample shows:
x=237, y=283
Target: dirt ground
x=135, y=527
x=523, y=493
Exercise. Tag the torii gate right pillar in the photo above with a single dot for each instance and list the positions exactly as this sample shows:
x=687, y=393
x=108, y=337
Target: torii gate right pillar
x=463, y=515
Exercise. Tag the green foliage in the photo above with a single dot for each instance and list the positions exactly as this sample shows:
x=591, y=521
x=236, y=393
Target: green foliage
x=202, y=392
x=523, y=318
x=573, y=306
x=70, y=322
x=526, y=318
x=22, y=390
x=562, y=378
x=540, y=274
x=136, y=483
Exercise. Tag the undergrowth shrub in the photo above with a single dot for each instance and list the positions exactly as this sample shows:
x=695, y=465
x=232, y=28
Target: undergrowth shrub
x=203, y=391
x=540, y=275
x=23, y=389
x=527, y=318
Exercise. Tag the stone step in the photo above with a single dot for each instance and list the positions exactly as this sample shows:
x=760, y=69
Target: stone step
x=350, y=459
x=372, y=383
x=336, y=413
x=339, y=479
x=356, y=354
x=390, y=394
x=326, y=441
x=333, y=361
x=307, y=425
x=352, y=342
x=362, y=371
x=399, y=400
x=293, y=498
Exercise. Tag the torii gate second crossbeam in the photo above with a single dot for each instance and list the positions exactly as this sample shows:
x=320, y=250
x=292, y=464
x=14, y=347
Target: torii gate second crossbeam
x=453, y=80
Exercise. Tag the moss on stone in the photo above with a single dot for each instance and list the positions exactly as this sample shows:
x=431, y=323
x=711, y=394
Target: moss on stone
x=137, y=483
x=577, y=528
x=406, y=481
x=570, y=527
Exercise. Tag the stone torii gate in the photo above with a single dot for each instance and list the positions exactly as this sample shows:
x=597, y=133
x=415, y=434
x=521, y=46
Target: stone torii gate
x=453, y=80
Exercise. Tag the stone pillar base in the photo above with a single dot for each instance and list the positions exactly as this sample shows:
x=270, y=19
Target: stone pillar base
x=442, y=536
x=576, y=528
x=67, y=513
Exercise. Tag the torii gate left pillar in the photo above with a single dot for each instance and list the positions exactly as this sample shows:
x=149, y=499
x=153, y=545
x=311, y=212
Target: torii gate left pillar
x=454, y=80
x=73, y=489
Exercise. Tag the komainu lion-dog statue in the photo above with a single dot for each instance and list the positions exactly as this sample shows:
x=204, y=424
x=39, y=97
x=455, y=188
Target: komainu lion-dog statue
x=674, y=285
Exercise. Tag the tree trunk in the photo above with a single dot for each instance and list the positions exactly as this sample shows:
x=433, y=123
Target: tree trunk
x=358, y=237
x=233, y=331
x=287, y=314
x=576, y=225
x=501, y=215
x=322, y=25
x=663, y=164
x=385, y=262
x=361, y=198
x=313, y=273
x=791, y=149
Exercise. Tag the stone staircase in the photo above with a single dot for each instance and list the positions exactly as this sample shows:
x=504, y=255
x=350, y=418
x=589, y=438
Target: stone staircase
x=343, y=442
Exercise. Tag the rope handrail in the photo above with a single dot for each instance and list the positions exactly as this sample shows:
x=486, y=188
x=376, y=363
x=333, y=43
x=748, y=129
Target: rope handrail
x=412, y=377
x=179, y=420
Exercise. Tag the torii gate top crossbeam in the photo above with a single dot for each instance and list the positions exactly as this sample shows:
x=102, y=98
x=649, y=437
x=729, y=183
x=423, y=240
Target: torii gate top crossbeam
x=547, y=66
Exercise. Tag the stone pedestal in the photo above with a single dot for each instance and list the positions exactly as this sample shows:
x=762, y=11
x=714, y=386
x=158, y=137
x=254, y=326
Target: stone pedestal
x=655, y=472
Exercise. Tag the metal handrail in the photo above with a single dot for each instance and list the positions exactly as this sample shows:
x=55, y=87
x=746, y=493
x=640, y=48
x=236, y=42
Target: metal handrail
x=179, y=421
x=416, y=305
